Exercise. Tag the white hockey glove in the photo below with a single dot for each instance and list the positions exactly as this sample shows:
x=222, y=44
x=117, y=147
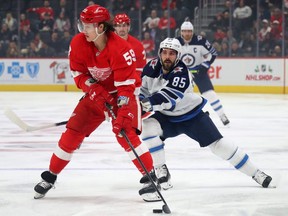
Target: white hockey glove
x=146, y=105
x=122, y=100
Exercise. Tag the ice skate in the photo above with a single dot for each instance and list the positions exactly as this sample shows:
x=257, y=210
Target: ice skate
x=224, y=119
x=145, y=179
x=149, y=193
x=164, y=177
x=263, y=179
x=48, y=180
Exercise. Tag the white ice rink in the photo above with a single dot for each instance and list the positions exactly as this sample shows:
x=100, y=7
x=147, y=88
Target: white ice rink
x=101, y=181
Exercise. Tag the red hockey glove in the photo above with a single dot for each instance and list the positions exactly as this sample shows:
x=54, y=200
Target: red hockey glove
x=123, y=120
x=98, y=94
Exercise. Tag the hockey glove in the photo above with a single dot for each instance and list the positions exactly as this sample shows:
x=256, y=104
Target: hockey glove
x=200, y=68
x=146, y=105
x=123, y=120
x=98, y=94
x=141, y=97
x=206, y=65
x=194, y=70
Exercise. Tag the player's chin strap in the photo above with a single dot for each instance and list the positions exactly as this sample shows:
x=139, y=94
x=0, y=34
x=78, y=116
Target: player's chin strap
x=98, y=34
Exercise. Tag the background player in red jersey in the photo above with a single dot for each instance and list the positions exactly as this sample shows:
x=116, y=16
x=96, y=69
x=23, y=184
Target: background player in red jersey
x=103, y=66
x=121, y=24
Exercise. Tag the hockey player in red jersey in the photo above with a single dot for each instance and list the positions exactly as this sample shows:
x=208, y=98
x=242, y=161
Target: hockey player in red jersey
x=103, y=67
x=121, y=24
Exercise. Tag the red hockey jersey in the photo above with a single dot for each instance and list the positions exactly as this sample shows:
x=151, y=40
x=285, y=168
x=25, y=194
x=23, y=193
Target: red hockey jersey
x=114, y=67
x=139, y=50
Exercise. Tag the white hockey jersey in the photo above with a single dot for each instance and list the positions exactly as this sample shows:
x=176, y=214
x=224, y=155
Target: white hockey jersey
x=171, y=94
x=198, y=51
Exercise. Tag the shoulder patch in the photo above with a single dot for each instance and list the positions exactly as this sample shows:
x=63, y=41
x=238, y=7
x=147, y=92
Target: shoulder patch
x=153, y=63
x=177, y=69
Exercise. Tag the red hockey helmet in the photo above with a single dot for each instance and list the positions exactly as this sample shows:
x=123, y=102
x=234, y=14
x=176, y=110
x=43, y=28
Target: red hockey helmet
x=121, y=18
x=94, y=14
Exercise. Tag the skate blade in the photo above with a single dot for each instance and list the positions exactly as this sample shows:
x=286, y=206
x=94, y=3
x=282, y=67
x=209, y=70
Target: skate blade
x=272, y=184
x=151, y=197
x=166, y=185
x=38, y=196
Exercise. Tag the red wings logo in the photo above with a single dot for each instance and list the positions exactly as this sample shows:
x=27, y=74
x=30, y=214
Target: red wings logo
x=100, y=73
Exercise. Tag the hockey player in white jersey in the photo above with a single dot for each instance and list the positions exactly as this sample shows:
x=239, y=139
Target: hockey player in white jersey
x=198, y=54
x=167, y=92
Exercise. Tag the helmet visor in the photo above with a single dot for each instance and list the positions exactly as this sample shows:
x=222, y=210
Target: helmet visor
x=86, y=27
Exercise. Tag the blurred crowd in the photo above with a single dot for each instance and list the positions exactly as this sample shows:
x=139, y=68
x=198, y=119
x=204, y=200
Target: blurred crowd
x=44, y=28
x=250, y=28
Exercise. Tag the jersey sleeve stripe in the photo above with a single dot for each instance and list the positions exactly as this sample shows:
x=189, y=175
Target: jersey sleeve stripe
x=126, y=82
x=75, y=73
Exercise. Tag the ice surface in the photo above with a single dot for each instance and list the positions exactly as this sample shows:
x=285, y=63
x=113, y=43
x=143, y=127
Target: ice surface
x=100, y=180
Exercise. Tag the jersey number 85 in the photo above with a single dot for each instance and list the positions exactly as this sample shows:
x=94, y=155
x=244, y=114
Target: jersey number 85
x=179, y=82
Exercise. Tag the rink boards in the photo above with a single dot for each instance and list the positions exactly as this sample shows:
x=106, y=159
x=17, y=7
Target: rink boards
x=235, y=75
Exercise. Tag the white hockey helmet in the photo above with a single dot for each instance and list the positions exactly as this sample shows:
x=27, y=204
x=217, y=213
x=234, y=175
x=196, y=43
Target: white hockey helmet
x=171, y=43
x=187, y=25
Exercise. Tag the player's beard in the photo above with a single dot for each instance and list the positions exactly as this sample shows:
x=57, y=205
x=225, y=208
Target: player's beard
x=167, y=65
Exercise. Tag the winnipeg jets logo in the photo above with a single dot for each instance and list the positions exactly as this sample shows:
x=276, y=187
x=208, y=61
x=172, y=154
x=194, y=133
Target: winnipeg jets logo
x=100, y=73
x=188, y=59
x=153, y=63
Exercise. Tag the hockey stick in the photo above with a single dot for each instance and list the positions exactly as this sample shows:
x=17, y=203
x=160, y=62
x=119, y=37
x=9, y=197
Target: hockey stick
x=16, y=120
x=165, y=207
x=10, y=114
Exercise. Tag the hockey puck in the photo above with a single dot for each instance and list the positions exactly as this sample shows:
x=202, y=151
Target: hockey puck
x=157, y=211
